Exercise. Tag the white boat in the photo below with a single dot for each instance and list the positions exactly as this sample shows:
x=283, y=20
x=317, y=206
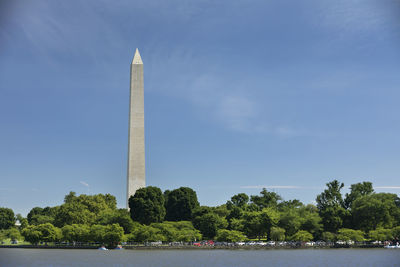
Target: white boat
x=102, y=248
x=393, y=246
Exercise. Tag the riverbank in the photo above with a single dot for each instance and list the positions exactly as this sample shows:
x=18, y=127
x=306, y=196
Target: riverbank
x=175, y=247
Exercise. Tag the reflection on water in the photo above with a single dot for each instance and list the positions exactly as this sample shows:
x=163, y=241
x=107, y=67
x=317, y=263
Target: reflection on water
x=281, y=258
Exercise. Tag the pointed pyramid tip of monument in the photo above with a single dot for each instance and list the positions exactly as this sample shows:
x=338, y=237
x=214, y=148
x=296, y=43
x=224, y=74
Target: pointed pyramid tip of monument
x=137, y=59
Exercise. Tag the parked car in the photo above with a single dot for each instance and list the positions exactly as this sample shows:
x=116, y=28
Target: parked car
x=320, y=243
x=209, y=243
x=156, y=243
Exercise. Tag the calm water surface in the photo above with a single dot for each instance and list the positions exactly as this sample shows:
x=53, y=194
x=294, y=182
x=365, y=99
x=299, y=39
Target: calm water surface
x=177, y=258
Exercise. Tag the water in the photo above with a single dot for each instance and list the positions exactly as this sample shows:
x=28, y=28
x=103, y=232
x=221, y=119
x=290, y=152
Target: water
x=220, y=258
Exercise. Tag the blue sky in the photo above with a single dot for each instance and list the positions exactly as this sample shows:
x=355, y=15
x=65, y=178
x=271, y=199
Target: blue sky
x=239, y=95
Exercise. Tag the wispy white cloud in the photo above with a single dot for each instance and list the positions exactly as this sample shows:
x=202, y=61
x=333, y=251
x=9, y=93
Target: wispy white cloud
x=225, y=100
x=232, y=106
x=278, y=187
x=50, y=31
x=386, y=187
x=84, y=183
x=237, y=112
x=360, y=17
x=303, y=187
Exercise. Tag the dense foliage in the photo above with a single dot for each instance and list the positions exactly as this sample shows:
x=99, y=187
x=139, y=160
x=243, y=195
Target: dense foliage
x=176, y=215
x=7, y=218
x=147, y=205
x=180, y=203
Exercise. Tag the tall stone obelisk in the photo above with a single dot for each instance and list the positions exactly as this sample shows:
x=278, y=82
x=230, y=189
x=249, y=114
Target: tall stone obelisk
x=136, y=162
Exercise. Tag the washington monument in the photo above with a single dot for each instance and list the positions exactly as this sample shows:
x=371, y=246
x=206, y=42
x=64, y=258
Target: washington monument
x=136, y=163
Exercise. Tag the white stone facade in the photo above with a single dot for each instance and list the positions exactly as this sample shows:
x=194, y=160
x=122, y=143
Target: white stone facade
x=136, y=147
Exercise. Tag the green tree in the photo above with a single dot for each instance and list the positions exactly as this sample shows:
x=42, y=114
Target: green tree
x=3, y=234
x=76, y=233
x=32, y=234
x=270, y=218
x=145, y=233
x=167, y=230
x=333, y=218
x=236, y=224
x=302, y=236
x=258, y=223
x=187, y=232
x=120, y=216
x=328, y=236
x=113, y=234
x=178, y=231
x=39, y=215
x=290, y=221
x=375, y=211
x=381, y=234
x=229, y=235
x=396, y=233
x=41, y=219
x=49, y=233
x=96, y=233
x=74, y=213
x=277, y=234
x=166, y=193
x=83, y=209
x=331, y=196
x=345, y=234
x=235, y=213
x=188, y=235
x=221, y=210
x=330, y=206
x=201, y=211
x=44, y=232
x=180, y=204
x=356, y=191
x=253, y=225
x=34, y=211
x=106, y=234
x=94, y=203
x=240, y=201
x=13, y=234
x=311, y=221
x=209, y=224
x=266, y=199
x=147, y=205
x=289, y=205
x=7, y=218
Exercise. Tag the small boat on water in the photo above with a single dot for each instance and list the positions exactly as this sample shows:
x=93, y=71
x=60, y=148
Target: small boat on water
x=393, y=246
x=119, y=247
x=102, y=248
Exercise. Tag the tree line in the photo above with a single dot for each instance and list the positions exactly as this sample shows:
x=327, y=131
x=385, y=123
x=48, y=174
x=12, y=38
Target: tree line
x=176, y=215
